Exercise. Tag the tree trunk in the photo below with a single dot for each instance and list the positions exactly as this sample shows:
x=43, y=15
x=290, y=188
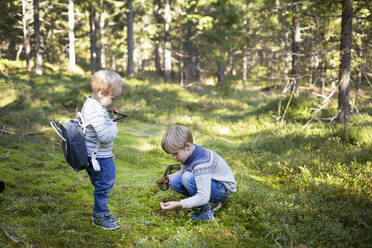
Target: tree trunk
x=26, y=33
x=296, y=38
x=52, y=54
x=38, y=58
x=157, y=58
x=97, y=33
x=189, y=51
x=245, y=66
x=130, y=42
x=181, y=72
x=344, y=71
x=93, y=48
x=245, y=48
x=157, y=39
x=167, y=42
x=102, y=35
x=71, y=35
x=197, y=61
x=221, y=72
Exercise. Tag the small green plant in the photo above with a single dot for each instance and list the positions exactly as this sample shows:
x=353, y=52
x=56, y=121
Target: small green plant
x=355, y=135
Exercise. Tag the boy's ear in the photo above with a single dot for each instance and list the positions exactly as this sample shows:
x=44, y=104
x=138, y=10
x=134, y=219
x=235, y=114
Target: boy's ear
x=188, y=145
x=99, y=94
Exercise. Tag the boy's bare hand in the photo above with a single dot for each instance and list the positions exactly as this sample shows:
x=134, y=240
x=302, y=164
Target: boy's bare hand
x=115, y=110
x=170, y=205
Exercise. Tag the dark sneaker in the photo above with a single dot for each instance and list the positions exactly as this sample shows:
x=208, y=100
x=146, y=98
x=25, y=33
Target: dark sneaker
x=104, y=223
x=112, y=219
x=215, y=205
x=205, y=216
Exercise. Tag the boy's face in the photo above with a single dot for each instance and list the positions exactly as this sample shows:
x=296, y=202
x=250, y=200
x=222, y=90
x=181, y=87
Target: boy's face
x=183, y=154
x=106, y=101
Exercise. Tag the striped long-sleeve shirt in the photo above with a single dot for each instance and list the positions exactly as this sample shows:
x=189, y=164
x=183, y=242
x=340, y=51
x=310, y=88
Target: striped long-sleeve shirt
x=99, y=127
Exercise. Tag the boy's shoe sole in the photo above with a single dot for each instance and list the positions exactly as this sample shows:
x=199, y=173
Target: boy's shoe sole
x=206, y=216
x=216, y=206
x=201, y=220
x=107, y=228
x=111, y=220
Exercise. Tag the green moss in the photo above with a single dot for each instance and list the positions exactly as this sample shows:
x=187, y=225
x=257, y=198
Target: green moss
x=296, y=186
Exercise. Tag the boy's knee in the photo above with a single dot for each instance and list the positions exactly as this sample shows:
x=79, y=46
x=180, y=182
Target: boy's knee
x=175, y=181
x=188, y=178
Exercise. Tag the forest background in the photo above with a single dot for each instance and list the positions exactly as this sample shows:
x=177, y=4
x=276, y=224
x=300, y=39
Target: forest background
x=280, y=88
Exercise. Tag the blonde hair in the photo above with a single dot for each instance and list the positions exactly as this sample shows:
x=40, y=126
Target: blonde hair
x=176, y=138
x=108, y=82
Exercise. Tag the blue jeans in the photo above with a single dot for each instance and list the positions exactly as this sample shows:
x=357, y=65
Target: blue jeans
x=185, y=184
x=103, y=181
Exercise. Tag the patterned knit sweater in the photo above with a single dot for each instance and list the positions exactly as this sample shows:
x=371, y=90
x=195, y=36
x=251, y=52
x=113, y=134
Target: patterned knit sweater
x=99, y=127
x=206, y=165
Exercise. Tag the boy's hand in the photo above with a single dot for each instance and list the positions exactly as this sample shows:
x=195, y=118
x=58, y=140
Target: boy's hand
x=170, y=205
x=115, y=110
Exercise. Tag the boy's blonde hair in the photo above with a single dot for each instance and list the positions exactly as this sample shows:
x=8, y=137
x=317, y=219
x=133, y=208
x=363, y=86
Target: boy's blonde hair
x=176, y=138
x=108, y=82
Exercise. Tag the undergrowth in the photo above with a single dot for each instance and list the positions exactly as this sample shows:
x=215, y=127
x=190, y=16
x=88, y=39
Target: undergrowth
x=297, y=186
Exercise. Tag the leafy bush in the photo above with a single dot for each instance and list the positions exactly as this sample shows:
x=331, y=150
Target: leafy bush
x=355, y=135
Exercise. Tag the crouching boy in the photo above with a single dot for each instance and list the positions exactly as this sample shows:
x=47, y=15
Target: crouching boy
x=205, y=178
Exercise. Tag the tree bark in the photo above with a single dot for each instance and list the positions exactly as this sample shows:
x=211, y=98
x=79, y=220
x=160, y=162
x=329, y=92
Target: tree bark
x=157, y=39
x=102, y=35
x=197, y=60
x=190, y=53
x=93, y=48
x=167, y=42
x=157, y=58
x=38, y=58
x=296, y=38
x=26, y=33
x=130, y=42
x=245, y=66
x=71, y=34
x=97, y=33
x=344, y=71
x=221, y=72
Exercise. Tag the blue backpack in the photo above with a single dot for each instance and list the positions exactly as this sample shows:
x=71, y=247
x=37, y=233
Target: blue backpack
x=72, y=134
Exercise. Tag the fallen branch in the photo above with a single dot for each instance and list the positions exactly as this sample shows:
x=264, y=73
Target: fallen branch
x=324, y=104
x=320, y=95
x=365, y=75
x=286, y=108
x=255, y=140
x=1, y=134
x=18, y=133
x=16, y=241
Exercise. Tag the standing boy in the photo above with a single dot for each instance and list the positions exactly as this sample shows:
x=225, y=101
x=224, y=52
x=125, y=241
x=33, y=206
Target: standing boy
x=100, y=133
x=204, y=177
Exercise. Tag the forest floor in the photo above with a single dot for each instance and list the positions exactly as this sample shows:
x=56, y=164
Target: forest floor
x=298, y=186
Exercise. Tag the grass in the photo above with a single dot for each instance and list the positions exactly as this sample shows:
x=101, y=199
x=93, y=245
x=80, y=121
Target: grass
x=309, y=187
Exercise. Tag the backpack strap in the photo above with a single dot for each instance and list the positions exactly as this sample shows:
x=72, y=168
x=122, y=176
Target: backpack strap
x=95, y=163
x=55, y=126
x=81, y=121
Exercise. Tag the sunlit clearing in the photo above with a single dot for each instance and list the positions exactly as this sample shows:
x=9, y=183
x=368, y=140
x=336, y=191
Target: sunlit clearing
x=224, y=130
x=146, y=147
x=10, y=97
